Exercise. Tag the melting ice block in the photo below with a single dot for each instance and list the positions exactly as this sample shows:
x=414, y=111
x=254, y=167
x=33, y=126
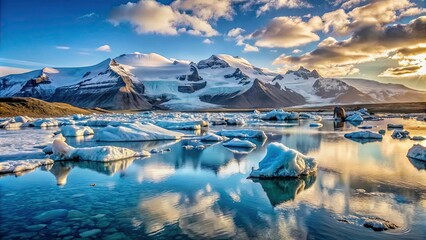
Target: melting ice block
x=281, y=161
x=62, y=151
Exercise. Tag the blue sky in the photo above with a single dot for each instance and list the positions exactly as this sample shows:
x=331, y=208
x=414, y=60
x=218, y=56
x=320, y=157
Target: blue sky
x=35, y=34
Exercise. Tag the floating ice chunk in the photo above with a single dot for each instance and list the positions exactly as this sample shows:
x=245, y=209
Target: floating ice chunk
x=235, y=121
x=23, y=165
x=365, y=127
x=102, y=123
x=417, y=152
x=279, y=115
x=47, y=122
x=189, y=125
x=22, y=119
x=211, y=137
x=400, y=134
x=355, y=117
x=310, y=116
x=390, y=125
x=418, y=138
x=64, y=122
x=239, y=143
x=281, y=161
x=13, y=125
x=315, y=125
x=136, y=132
x=364, y=135
x=242, y=133
x=72, y=131
x=62, y=151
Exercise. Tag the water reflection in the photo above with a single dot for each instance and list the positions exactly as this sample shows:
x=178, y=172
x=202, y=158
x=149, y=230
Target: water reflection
x=420, y=165
x=283, y=190
x=62, y=169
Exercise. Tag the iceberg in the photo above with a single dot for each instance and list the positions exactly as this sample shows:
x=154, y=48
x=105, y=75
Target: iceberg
x=281, y=161
x=42, y=123
x=279, y=115
x=23, y=165
x=417, y=152
x=239, y=143
x=400, y=134
x=73, y=131
x=211, y=137
x=355, y=117
x=128, y=132
x=62, y=151
x=390, y=125
x=364, y=135
x=175, y=125
x=242, y=133
x=235, y=121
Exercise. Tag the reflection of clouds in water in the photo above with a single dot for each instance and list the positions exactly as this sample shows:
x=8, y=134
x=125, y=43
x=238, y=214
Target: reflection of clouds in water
x=333, y=192
x=380, y=161
x=154, y=172
x=196, y=216
x=232, y=167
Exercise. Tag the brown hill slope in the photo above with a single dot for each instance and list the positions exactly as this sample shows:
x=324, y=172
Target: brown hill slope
x=32, y=107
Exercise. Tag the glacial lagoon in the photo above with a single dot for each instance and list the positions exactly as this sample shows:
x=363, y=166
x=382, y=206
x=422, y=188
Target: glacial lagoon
x=203, y=194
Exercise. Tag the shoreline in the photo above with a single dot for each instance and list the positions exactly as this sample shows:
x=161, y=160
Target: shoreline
x=38, y=108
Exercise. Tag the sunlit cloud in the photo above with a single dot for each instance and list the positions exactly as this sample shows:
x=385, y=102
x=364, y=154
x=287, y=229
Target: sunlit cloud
x=148, y=16
x=104, y=48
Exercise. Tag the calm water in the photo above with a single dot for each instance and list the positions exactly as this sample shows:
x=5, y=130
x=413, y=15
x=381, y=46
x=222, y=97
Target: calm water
x=206, y=194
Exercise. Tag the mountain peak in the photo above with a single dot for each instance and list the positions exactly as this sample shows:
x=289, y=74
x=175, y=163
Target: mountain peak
x=304, y=73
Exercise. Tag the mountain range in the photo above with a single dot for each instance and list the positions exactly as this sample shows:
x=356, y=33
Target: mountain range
x=151, y=81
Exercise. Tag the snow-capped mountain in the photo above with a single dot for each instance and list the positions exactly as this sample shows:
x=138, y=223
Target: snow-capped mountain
x=146, y=81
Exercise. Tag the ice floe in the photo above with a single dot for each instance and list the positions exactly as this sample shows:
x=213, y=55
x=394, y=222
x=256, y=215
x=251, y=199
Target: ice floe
x=62, y=151
x=364, y=135
x=73, y=131
x=315, y=125
x=135, y=132
x=235, y=142
x=186, y=125
x=400, y=134
x=417, y=152
x=281, y=161
x=243, y=133
x=279, y=115
x=14, y=166
x=45, y=122
x=211, y=137
x=355, y=117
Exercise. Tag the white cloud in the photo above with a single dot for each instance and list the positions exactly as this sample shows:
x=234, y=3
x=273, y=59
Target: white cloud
x=286, y=32
x=208, y=41
x=296, y=51
x=206, y=9
x=267, y=5
x=89, y=15
x=63, y=47
x=4, y=71
x=149, y=16
x=104, y=48
x=250, y=48
x=235, y=32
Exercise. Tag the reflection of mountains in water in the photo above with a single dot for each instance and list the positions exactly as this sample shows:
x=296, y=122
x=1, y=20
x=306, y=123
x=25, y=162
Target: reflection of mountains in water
x=304, y=143
x=61, y=169
x=285, y=189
